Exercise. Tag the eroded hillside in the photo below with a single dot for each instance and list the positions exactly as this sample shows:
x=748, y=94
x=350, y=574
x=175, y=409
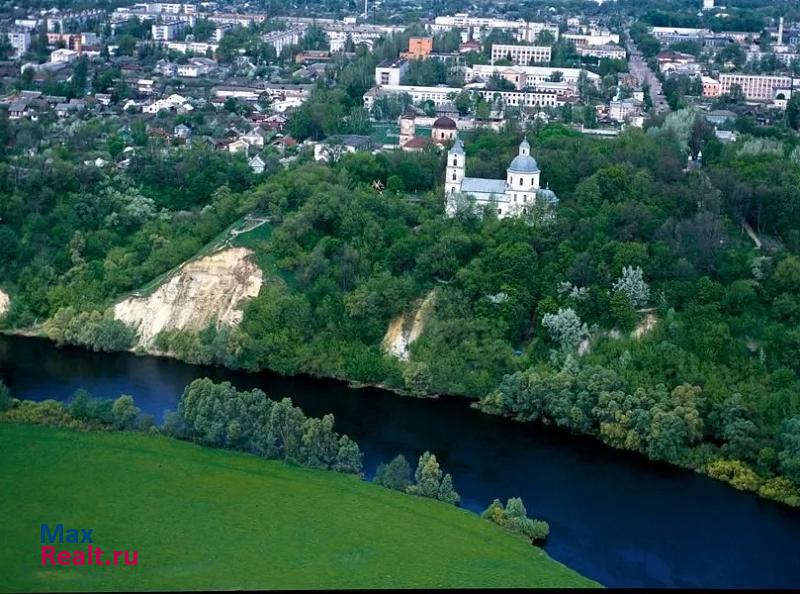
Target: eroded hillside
x=4, y=302
x=210, y=290
x=406, y=328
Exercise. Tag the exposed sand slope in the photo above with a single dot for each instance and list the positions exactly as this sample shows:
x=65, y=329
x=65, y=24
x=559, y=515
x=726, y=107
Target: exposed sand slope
x=205, y=291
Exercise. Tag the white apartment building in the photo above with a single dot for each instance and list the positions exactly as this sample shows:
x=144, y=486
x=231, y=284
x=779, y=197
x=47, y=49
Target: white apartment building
x=196, y=67
x=390, y=72
x=529, y=76
x=367, y=34
x=475, y=27
x=522, y=55
x=755, y=87
x=281, y=39
x=443, y=95
x=590, y=39
x=20, y=40
x=220, y=32
x=612, y=52
x=30, y=23
x=166, y=8
x=670, y=32
x=63, y=56
x=196, y=47
x=167, y=31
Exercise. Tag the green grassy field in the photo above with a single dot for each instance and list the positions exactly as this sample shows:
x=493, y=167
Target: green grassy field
x=205, y=518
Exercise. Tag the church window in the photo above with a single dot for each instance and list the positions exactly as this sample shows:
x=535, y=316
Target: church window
x=499, y=211
x=455, y=161
x=520, y=181
x=454, y=176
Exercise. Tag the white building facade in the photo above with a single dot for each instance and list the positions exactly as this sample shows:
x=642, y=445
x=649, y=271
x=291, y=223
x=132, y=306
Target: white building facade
x=522, y=55
x=445, y=95
x=20, y=40
x=515, y=195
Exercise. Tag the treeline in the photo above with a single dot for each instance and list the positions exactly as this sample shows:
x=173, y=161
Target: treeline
x=219, y=415
x=210, y=414
x=94, y=330
x=83, y=413
x=664, y=425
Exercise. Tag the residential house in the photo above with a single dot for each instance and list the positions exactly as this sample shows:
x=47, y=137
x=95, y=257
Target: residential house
x=255, y=137
x=174, y=101
x=17, y=110
x=333, y=147
x=720, y=116
x=623, y=109
x=145, y=86
x=196, y=67
x=182, y=132
x=257, y=164
x=65, y=109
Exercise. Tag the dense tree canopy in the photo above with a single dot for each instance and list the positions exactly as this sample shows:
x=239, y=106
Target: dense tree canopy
x=682, y=340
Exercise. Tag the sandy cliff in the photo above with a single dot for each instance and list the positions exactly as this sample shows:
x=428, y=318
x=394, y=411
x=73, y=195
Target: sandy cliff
x=406, y=328
x=205, y=291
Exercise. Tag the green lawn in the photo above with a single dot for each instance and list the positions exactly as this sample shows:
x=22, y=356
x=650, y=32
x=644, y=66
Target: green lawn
x=205, y=518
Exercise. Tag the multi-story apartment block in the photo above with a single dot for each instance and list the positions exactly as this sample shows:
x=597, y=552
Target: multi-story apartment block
x=418, y=48
x=175, y=8
x=167, y=31
x=591, y=39
x=476, y=27
x=522, y=55
x=20, y=41
x=711, y=87
x=444, y=95
x=529, y=76
x=755, y=87
x=612, y=52
x=390, y=72
x=232, y=18
x=281, y=39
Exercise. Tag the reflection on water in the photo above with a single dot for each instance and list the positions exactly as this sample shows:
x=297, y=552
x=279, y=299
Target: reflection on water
x=615, y=517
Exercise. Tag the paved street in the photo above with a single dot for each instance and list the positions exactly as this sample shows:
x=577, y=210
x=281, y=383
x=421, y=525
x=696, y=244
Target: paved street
x=639, y=68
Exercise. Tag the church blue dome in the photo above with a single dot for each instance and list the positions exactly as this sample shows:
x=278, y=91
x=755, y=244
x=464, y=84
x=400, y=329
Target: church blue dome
x=547, y=195
x=523, y=164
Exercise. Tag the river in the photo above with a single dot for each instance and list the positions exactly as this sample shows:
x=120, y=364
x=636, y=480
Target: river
x=614, y=516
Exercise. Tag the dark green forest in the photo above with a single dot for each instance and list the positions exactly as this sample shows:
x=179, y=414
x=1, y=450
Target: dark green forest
x=642, y=313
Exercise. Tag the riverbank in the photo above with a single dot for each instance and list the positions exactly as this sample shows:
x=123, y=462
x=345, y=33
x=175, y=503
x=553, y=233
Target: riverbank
x=203, y=518
x=614, y=516
x=39, y=332
x=731, y=472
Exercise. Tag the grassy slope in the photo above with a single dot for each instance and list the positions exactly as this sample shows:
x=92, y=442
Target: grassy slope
x=206, y=518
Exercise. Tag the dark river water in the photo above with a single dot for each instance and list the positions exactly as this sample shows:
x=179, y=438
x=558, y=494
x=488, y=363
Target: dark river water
x=614, y=516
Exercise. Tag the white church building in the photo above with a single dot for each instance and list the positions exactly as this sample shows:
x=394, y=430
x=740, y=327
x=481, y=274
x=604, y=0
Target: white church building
x=515, y=195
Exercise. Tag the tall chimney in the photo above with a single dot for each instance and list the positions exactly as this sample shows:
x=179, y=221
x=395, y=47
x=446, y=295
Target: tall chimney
x=780, y=31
